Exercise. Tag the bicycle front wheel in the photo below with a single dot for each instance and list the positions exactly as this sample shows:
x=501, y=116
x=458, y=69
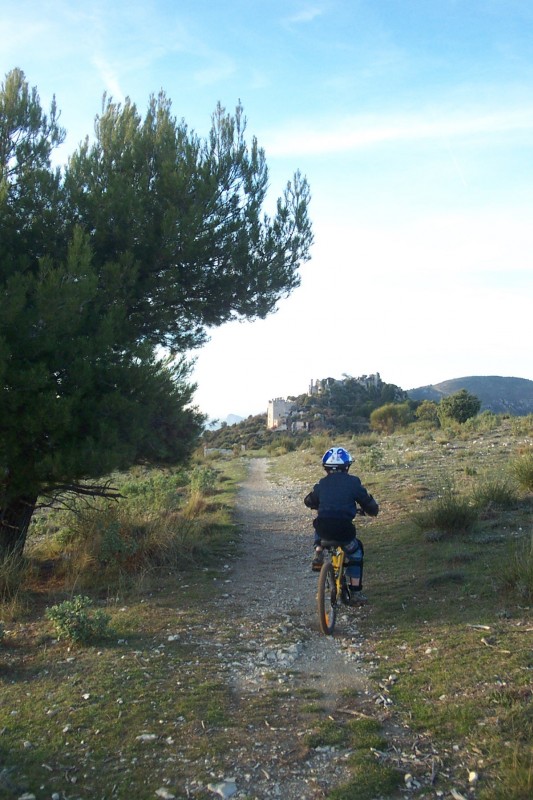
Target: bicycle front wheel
x=327, y=599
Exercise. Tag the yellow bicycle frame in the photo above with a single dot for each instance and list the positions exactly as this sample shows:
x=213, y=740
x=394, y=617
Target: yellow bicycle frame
x=337, y=561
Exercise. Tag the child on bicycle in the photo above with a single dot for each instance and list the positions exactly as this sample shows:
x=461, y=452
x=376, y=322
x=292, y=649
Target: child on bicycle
x=336, y=497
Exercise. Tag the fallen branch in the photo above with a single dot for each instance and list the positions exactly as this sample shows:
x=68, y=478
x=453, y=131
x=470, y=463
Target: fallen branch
x=355, y=713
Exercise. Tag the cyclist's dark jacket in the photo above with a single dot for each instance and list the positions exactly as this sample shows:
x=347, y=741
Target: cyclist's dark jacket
x=336, y=497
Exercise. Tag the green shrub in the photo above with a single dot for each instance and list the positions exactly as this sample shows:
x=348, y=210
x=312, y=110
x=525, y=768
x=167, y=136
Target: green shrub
x=365, y=440
x=320, y=443
x=284, y=444
x=518, y=575
x=103, y=536
x=451, y=513
x=427, y=413
x=75, y=621
x=522, y=469
x=203, y=480
x=390, y=417
x=484, y=422
x=494, y=492
x=154, y=489
x=458, y=407
x=522, y=426
x=116, y=541
x=371, y=459
x=195, y=506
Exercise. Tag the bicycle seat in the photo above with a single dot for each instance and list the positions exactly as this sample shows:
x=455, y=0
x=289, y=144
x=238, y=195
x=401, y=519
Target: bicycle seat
x=329, y=544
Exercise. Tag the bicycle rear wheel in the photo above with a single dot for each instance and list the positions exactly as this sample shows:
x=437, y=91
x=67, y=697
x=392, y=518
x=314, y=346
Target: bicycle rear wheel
x=327, y=599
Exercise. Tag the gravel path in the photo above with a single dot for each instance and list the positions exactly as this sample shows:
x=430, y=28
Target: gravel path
x=270, y=595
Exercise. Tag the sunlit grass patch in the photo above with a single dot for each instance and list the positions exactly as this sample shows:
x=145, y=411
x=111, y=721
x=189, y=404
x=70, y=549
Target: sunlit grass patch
x=208, y=702
x=448, y=514
x=522, y=469
x=370, y=780
x=466, y=683
x=14, y=571
x=311, y=708
x=165, y=520
x=328, y=733
x=494, y=492
x=517, y=574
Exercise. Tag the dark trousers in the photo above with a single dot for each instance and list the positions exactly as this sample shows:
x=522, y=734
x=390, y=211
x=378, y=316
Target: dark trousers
x=334, y=530
x=342, y=531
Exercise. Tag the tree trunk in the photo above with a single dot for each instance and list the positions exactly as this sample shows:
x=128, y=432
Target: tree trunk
x=15, y=519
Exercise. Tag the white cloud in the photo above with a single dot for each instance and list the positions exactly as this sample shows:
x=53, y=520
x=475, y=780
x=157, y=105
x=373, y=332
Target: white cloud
x=356, y=132
x=109, y=78
x=16, y=35
x=449, y=243
x=307, y=14
x=220, y=68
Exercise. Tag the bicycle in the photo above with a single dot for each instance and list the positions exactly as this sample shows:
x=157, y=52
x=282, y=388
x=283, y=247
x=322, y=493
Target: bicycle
x=332, y=586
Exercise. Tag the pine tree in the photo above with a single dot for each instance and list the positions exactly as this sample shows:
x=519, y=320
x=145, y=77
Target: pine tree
x=150, y=236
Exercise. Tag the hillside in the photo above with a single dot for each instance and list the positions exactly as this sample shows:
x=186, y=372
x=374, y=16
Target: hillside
x=498, y=394
x=345, y=406
x=214, y=679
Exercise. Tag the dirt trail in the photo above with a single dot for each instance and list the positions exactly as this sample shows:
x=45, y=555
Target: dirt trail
x=269, y=593
x=277, y=533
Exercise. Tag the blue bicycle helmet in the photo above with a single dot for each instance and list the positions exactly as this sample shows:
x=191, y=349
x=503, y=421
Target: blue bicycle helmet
x=337, y=459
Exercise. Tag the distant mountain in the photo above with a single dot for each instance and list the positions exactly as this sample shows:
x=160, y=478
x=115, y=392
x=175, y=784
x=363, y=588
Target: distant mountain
x=231, y=419
x=497, y=394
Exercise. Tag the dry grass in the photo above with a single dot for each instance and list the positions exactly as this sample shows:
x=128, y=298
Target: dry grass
x=450, y=611
x=444, y=617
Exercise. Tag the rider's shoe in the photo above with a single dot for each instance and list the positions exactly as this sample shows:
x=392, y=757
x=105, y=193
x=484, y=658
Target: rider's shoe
x=358, y=599
x=318, y=560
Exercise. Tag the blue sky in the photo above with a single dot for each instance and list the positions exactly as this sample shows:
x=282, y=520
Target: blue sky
x=413, y=121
